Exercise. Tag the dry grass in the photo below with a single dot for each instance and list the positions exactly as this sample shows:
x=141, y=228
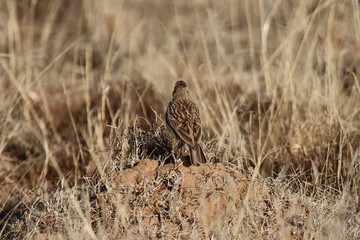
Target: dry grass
x=83, y=90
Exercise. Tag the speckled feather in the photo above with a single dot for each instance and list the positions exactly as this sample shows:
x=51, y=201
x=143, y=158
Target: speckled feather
x=183, y=118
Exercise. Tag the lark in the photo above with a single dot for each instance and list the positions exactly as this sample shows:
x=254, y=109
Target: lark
x=183, y=118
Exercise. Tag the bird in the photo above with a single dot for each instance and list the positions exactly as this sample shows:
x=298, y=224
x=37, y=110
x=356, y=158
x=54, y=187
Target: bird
x=183, y=118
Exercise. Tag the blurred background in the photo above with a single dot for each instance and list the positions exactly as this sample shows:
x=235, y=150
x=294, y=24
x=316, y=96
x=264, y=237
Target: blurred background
x=276, y=83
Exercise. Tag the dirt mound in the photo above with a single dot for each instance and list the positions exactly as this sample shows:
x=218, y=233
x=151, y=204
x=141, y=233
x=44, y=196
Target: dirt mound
x=171, y=198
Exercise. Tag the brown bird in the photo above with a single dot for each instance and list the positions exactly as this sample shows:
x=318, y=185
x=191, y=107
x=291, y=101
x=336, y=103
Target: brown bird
x=183, y=118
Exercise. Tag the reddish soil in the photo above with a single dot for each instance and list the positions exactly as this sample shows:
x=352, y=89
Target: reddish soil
x=172, y=196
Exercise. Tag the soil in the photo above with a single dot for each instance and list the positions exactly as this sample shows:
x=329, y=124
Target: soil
x=160, y=196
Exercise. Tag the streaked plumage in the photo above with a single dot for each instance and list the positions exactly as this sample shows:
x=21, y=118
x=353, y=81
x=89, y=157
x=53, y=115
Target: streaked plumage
x=183, y=118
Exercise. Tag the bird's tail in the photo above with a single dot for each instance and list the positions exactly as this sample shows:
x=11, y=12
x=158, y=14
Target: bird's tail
x=197, y=155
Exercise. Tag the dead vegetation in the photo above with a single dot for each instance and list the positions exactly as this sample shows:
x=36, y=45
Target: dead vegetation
x=83, y=90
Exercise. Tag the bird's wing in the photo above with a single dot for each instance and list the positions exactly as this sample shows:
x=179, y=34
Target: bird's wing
x=186, y=134
x=185, y=121
x=196, y=123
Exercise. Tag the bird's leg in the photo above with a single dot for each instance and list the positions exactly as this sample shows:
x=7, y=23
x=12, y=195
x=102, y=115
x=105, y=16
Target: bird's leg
x=180, y=148
x=177, y=149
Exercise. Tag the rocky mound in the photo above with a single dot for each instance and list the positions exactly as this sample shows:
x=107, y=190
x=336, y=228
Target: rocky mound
x=165, y=200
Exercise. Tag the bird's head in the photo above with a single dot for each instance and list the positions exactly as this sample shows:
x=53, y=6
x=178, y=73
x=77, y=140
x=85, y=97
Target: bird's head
x=180, y=90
